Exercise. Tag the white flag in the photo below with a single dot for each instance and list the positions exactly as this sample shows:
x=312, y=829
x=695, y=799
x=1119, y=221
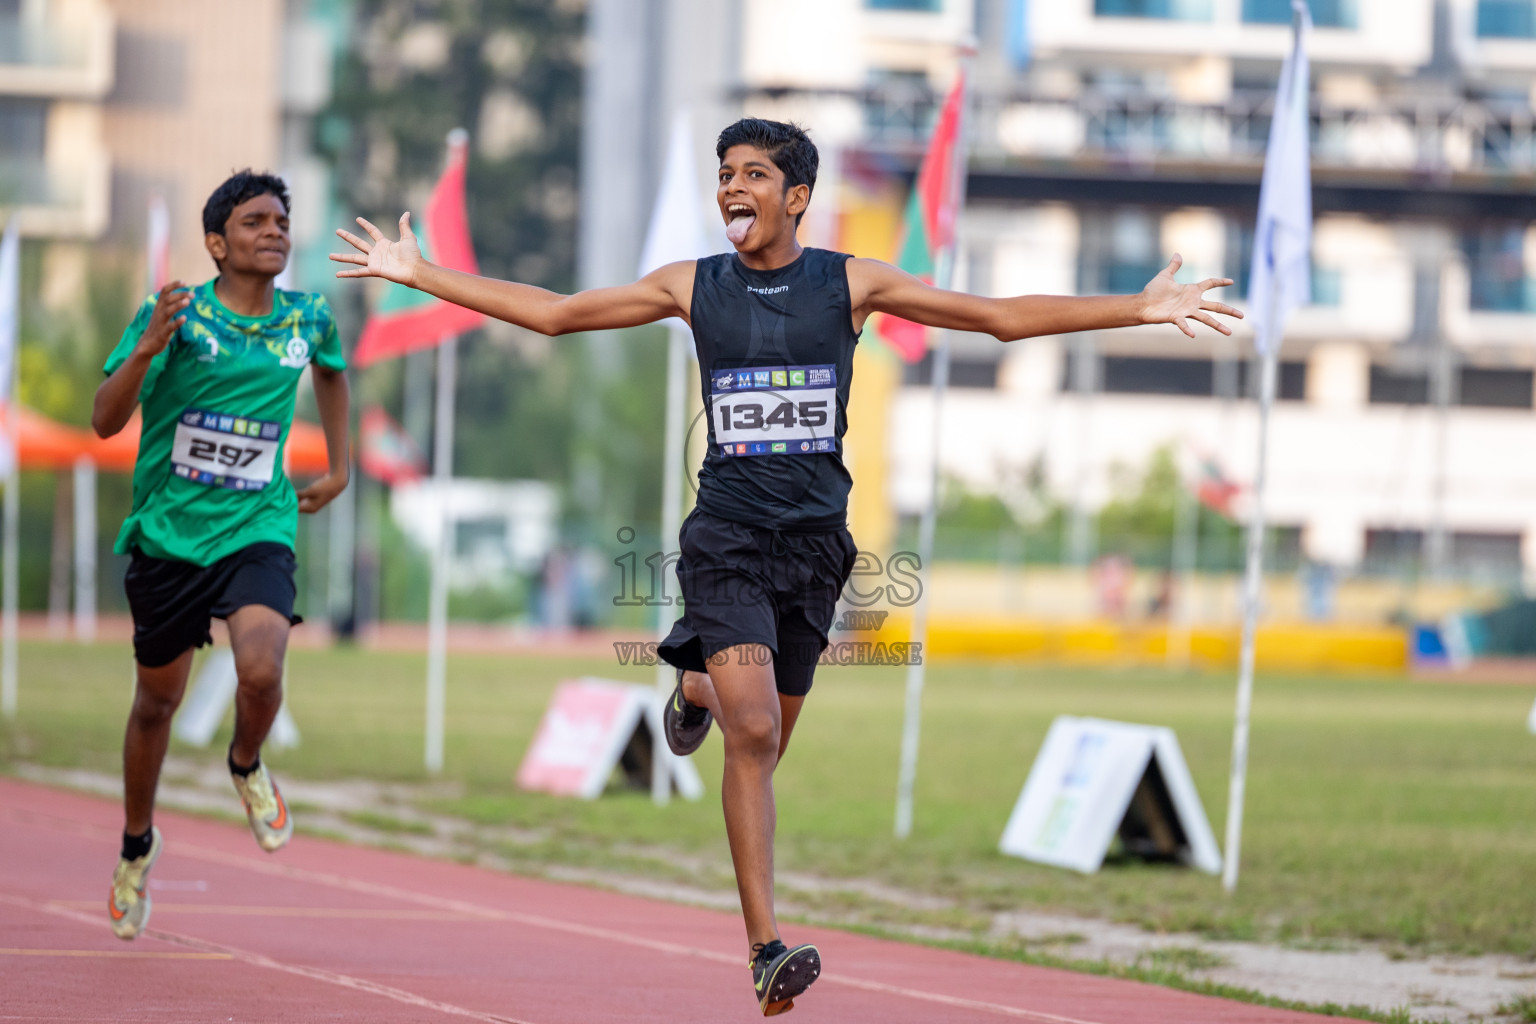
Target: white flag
x=1281, y=278
x=677, y=229
x=10, y=329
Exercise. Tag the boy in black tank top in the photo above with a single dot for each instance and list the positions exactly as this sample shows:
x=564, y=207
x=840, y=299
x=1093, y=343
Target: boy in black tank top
x=766, y=551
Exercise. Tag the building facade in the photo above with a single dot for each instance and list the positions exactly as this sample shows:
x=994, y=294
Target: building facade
x=1107, y=134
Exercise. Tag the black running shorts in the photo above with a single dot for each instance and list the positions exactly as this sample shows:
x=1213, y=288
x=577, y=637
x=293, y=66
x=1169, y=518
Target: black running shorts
x=752, y=585
x=173, y=601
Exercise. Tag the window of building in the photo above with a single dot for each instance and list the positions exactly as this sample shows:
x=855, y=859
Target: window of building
x=1176, y=10
x=1390, y=386
x=1325, y=13
x=1475, y=554
x=1495, y=389
x=1120, y=251
x=900, y=106
x=1193, y=378
x=1476, y=387
x=963, y=373
x=23, y=129
x=1506, y=19
x=1501, y=281
x=904, y=5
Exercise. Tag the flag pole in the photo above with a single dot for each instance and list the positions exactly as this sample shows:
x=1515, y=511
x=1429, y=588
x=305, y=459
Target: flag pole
x=917, y=668
x=437, y=615
x=1281, y=279
x=1253, y=582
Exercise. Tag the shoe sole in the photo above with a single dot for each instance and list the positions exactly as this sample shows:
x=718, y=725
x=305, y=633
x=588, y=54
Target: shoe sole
x=791, y=978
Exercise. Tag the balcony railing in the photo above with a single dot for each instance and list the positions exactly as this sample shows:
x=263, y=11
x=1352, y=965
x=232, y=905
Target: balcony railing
x=1422, y=137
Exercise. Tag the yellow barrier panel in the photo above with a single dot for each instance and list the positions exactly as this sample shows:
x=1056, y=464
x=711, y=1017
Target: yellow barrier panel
x=1281, y=647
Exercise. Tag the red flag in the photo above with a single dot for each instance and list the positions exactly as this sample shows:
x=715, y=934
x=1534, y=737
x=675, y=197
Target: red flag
x=1214, y=490
x=406, y=319
x=930, y=221
x=385, y=451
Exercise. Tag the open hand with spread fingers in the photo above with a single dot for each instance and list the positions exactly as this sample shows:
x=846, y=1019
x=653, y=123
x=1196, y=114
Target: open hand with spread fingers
x=393, y=261
x=1165, y=301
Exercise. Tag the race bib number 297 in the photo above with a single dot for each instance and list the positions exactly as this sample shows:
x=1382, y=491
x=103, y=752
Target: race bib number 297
x=221, y=450
x=775, y=410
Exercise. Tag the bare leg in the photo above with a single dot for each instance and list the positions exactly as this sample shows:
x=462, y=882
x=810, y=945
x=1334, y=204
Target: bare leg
x=157, y=694
x=259, y=637
x=740, y=692
x=699, y=690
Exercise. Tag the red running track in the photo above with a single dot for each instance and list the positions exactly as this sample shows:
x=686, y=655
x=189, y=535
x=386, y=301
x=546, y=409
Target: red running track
x=324, y=931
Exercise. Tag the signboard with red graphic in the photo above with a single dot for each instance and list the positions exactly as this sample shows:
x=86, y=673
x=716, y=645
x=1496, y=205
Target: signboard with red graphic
x=591, y=728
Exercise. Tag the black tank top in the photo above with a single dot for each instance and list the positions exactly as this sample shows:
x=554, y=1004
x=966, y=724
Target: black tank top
x=776, y=360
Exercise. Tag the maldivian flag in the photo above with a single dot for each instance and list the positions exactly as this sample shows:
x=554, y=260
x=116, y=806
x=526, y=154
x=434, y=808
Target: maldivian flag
x=385, y=451
x=406, y=319
x=930, y=221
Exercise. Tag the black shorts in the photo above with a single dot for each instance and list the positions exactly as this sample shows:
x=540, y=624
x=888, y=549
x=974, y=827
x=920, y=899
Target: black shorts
x=173, y=601
x=752, y=585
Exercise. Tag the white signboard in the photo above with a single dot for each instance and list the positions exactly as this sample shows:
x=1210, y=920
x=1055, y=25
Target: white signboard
x=593, y=726
x=1530, y=723
x=1095, y=779
x=213, y=692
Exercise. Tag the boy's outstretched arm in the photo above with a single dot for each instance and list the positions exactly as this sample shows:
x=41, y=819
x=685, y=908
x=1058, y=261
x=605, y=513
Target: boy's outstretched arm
x=881, y=288
x=665, y=292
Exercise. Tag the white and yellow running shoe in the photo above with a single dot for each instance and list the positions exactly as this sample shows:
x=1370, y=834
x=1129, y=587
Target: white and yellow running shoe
x=264, y=806
x=129, y=903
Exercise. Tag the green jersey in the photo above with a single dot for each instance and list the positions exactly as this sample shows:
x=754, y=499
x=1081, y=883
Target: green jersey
x=218, y=402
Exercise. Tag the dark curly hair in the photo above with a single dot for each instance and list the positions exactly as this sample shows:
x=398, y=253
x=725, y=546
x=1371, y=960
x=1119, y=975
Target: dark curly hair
x=239, y=187
x=787, y=145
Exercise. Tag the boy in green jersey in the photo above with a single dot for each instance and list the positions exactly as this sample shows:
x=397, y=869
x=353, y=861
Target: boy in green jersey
x=212, y=528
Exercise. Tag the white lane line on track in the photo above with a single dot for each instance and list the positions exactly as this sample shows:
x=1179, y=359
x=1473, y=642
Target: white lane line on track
x=260, y=960
x=280, y=870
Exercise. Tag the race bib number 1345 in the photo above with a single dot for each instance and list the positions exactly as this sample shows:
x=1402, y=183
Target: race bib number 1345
x=775, y=410
x=220, y=450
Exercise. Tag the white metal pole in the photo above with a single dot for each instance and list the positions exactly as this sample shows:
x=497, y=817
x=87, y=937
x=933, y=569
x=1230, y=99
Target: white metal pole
x=906, y=778
x=678, y=340
x=1253, y=584
x=911, y=730
x=437, y=615
x=85, y=549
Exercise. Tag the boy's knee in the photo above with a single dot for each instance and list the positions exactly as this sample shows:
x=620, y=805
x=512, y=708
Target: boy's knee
x=753, y=734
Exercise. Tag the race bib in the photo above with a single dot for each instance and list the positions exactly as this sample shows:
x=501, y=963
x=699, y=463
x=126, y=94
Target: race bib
x=775, y=410
x=219, y=450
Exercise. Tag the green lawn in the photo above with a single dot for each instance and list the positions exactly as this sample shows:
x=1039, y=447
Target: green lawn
x=1377, y=809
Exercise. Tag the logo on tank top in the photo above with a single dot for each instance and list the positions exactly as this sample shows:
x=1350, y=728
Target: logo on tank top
x=775, y=290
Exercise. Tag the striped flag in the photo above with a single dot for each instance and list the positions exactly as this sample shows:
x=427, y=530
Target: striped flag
x=930, y=221
x=406, y=319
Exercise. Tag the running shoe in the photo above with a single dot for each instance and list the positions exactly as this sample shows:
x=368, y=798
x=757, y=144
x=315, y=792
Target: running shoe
x=684, y=724
x=129, y=903
x=264, y=806
x=780, y=974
